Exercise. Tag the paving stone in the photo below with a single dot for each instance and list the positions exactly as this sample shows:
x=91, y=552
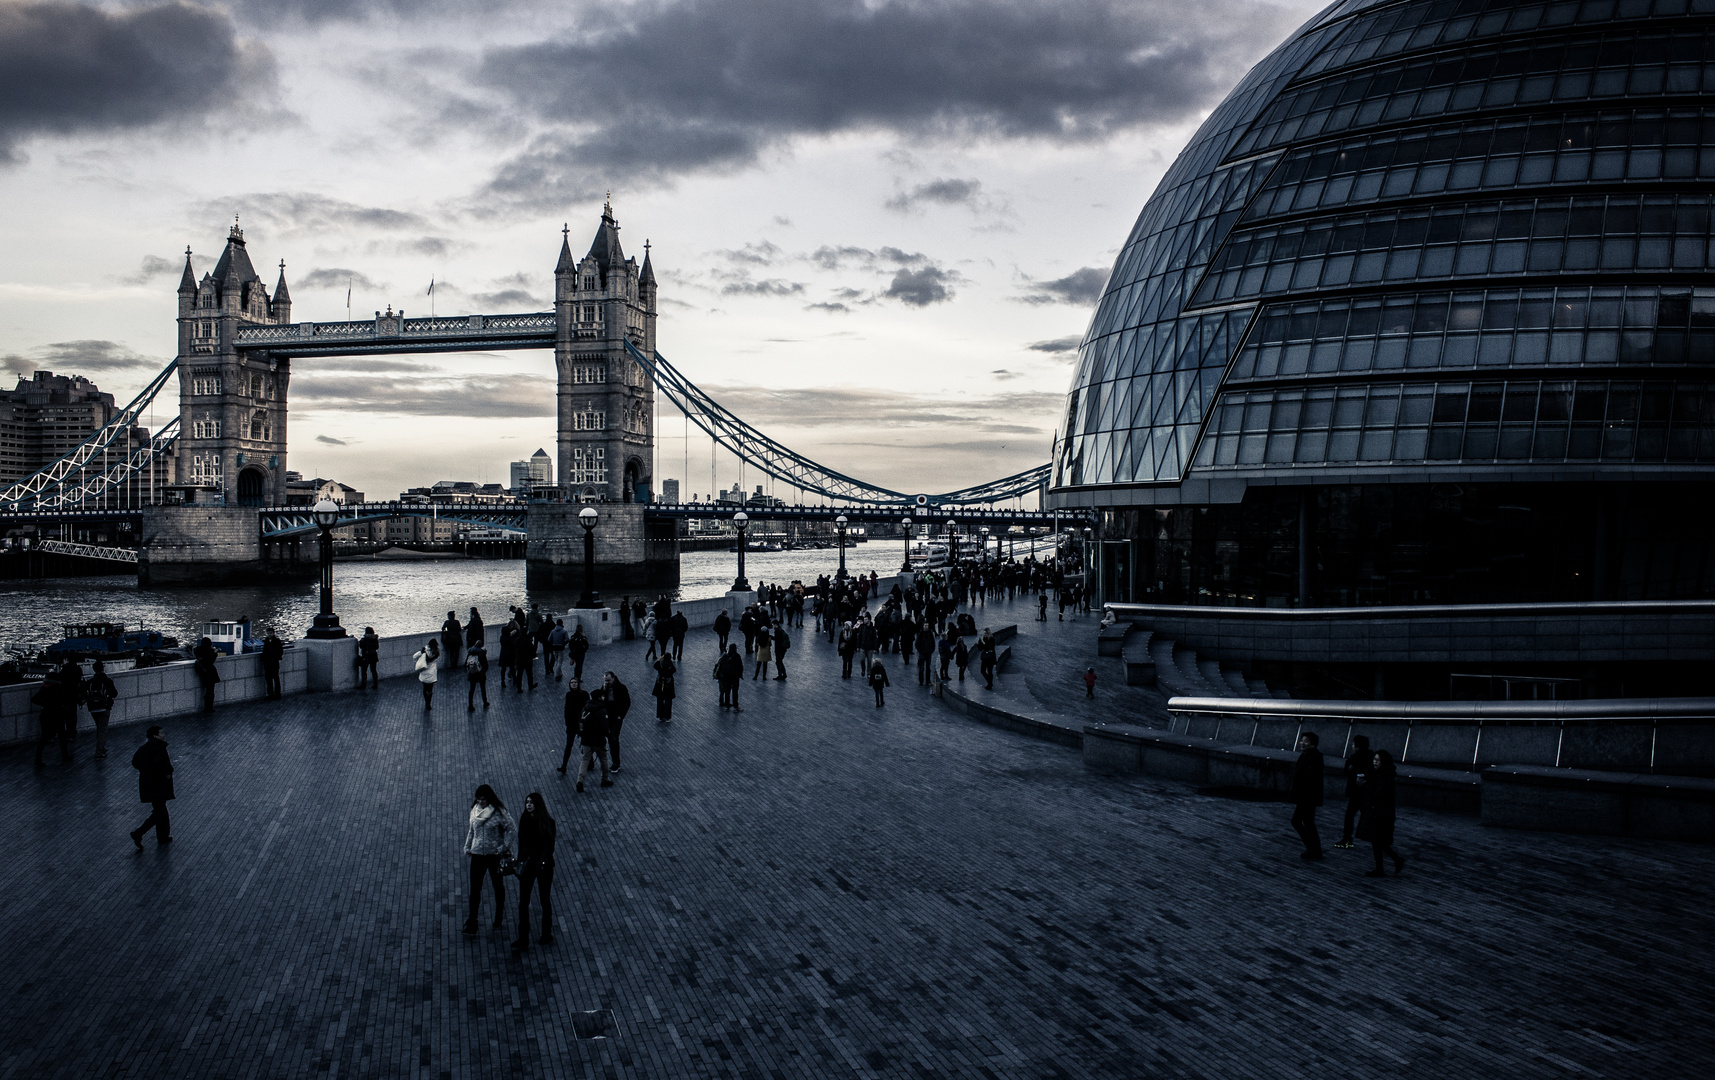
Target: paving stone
x=815, y=887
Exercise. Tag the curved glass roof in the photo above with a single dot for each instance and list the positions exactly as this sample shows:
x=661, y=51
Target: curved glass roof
x=1416, y=208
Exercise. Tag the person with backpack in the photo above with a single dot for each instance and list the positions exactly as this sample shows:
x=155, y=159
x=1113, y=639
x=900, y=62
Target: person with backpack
x=476, y=672
x=99, y=694
x=428, y=671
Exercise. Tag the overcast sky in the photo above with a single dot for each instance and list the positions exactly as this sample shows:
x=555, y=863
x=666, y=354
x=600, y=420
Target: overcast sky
x=879, y=227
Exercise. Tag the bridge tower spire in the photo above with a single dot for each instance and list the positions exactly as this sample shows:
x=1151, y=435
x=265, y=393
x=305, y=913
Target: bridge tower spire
x=232, y=406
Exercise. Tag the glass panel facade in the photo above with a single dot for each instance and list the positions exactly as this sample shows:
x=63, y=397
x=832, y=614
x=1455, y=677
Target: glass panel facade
x=1477, y=423
x=1421, y=191
x=1641, y=146
x=1605, y=235
x=1601, y=326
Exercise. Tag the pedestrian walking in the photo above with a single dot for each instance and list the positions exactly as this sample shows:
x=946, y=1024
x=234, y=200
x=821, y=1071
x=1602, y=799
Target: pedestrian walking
x=729, y=673
x=369, y=658
x=618, y=704
x=524, y=653
x=207, y=673
x=961, y=655
x=723, y=627
x=782, y=642
x=986, y=657
x=577, y=699
x=680, y=626
x=154, y=786
x=99, y=695
x=1375, y=824
x=944, y=649
x=1042, y=607
x=427, y=671
x=663, y=689
x=557, y=641
x=273, y=652
x=926, y=655
x=54, y=699
x=650, y=635
x=1306, y=791
x=452, y=637
x=536, y=834
x=1089, y=681
x=878, y=679
x=593, y=734
x=764, y=652
x=1357, y=773
x=476, y=674
x=487, y=839
x=847, y=649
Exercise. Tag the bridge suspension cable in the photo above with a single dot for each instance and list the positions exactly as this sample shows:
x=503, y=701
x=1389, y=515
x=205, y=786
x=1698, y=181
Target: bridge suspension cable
x=786, y=464
x=82, y=475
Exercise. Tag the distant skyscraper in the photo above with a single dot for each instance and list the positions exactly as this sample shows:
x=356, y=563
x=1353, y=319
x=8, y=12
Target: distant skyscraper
x=45, y=418
x=538, y=470
x=669, y=491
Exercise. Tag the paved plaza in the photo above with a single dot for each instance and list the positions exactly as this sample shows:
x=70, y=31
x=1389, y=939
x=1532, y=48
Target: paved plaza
x=815, y=887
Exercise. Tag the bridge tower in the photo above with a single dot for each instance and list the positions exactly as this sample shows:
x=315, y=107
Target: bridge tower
x=232, y=406
x=606, y=398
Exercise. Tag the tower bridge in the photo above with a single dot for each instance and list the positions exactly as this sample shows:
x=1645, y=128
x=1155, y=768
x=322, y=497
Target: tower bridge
x=227, y=516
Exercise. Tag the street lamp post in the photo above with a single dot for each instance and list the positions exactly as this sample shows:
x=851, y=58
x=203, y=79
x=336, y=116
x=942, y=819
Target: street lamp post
x=952, y=541
x=587, y=517
x=986, y=544
x=905, y=530
x=739, y=521
x=840, y=524
x=326, y=624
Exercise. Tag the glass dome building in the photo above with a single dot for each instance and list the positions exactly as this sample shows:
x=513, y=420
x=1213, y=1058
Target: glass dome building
x=1424, y=313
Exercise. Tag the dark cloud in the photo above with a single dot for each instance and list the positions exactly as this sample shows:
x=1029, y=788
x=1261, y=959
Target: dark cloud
x=922, y=287
x=334, y=277
x=426, y=394
x=81, y=358
x=766, y=287
x=299, y=211
x=433, y=247
x=506, y=300
x=1056, y=345
x=830, y=306
x=945, y=192
x=712, y=84
x=755, y=254
x=153, y=267
x=67, y=68
x=1079, y=287
x=330, y=440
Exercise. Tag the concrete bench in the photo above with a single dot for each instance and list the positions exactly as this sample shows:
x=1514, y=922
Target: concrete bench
x=1110, y=639
x=1599, y=803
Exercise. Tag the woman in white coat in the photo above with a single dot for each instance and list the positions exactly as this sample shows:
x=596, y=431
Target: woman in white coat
x=487, y=839
x=427, y=670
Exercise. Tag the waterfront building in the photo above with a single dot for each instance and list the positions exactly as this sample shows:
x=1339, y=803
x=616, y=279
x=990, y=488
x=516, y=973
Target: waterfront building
x=47, y=416
x=301, y=492
x=535, y=471
x=1424, y=313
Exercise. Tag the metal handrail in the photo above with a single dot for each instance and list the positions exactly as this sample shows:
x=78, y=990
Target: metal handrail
x=1692, y=708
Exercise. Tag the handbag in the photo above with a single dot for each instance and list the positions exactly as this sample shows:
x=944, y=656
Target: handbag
x=509, y=865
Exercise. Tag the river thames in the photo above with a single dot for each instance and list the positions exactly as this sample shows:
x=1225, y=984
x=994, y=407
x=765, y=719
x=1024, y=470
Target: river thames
x=393, y=597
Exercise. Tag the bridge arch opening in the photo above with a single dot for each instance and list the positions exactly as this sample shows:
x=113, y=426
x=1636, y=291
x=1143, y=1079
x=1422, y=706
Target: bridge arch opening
x=252, y=483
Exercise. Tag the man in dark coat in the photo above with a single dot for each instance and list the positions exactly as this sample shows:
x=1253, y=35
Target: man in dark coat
x=747, y=627
x=1357, y=773
x=625, y=618
x=594, y=733
x=206, y=671
x=273, y=651
x=1306, y=791
x=729, y=672
x=926, y=655
x=369, y=658
x=618, y=704
x=723, y=627
x=452, y=637
x=55, y=699
x=577, y=699
x=577, y=647
x=154, y=786
x=781, y=643
x=680, y=626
